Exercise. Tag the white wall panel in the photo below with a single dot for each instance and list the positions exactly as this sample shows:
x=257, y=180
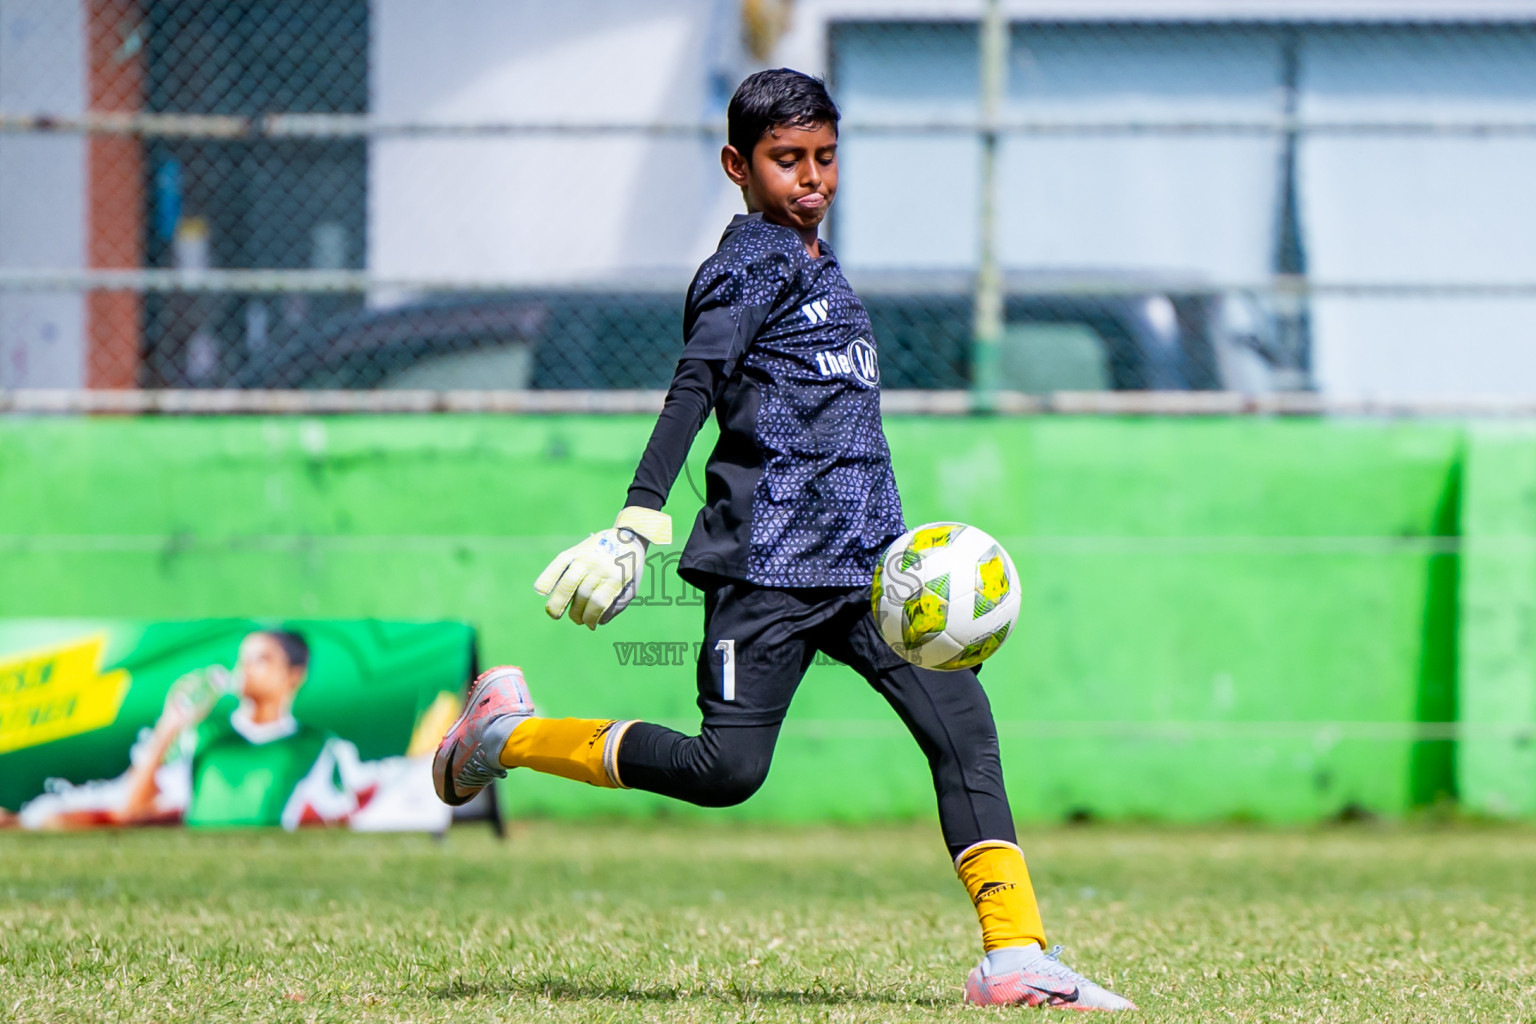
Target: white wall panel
x=1190, y=204
x=42, y=191
x=537, y=208
x=1442, y=209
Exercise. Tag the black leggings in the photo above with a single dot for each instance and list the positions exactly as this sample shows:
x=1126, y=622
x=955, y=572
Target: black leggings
x=759, y=642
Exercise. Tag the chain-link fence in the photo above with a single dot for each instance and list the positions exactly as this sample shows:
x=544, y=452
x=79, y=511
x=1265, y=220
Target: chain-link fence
x=350, y=194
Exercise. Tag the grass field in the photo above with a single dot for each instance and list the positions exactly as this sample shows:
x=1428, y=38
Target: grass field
x=683, y=922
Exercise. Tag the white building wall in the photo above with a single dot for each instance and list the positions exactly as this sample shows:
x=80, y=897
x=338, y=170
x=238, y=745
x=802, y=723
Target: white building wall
x=1456, y=210
x=1375, y=210
x=42, y=191
x=562, y=208
x=547, y=208
x=1200, y=207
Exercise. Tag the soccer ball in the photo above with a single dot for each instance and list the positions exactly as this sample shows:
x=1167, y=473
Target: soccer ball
x=946, y=596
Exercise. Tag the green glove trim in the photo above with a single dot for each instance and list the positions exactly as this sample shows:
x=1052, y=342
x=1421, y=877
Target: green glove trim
x=654, y=526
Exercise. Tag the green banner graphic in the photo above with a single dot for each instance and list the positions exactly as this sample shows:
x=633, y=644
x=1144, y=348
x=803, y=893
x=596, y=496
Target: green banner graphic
x=226, y=722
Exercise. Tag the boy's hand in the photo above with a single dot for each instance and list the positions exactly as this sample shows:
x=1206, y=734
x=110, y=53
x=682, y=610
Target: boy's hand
x=192, y=696
x=598, y=578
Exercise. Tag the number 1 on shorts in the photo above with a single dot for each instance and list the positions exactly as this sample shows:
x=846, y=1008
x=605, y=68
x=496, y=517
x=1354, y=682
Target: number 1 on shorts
x=727, y=669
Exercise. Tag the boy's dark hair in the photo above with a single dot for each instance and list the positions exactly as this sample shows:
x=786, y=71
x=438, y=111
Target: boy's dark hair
x=294, y=646
x=775, y=97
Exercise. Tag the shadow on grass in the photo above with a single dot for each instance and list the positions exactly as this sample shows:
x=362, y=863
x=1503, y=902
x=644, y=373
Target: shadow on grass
x=568, y=989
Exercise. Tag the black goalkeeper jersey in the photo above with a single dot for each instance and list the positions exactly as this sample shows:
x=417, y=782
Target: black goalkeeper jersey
x=799, y=487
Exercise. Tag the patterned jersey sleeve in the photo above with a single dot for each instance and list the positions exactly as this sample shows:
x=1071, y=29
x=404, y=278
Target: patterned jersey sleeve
x=728, y=303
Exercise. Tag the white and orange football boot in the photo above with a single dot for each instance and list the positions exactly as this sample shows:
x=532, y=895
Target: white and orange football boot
x=469, y=757
x=1026, y=976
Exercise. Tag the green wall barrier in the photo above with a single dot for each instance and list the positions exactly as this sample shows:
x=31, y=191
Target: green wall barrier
x=1222, y=618
x=1496, y=766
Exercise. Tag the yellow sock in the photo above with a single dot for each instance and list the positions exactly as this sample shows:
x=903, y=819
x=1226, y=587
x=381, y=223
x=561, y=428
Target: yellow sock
x=993, y=872
x=581, y=749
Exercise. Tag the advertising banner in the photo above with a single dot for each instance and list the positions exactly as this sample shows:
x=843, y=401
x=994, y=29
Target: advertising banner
x=226, y=722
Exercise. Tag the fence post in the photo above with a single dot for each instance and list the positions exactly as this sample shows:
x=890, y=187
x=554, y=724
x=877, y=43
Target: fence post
x=988, y=324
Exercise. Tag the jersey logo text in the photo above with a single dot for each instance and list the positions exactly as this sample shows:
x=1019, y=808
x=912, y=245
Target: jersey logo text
x=858, y=358
x=816, y=311
x=866, y=365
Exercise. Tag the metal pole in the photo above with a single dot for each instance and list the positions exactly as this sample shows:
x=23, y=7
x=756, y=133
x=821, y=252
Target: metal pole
x=988, y=325
x=1293, y=320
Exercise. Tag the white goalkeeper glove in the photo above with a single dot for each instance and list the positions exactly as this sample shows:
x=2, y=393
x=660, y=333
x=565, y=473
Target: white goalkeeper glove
x=598, y=578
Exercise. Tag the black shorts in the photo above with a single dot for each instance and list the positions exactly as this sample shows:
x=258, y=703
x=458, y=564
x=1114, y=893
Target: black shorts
x=759, y=642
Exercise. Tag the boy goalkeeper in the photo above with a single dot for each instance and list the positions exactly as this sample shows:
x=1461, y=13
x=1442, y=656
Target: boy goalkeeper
x=800, y=503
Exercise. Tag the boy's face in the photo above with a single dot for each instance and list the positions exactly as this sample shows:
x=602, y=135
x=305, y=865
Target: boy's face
x=265, y=671
x=791, y=175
